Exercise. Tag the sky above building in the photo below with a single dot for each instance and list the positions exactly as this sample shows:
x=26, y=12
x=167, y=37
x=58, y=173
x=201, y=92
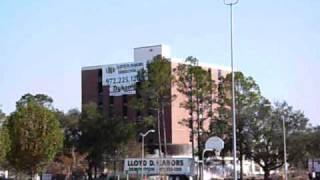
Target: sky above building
x=44, y=44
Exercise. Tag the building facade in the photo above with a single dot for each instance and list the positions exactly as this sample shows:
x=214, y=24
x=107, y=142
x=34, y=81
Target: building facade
x=111, y=87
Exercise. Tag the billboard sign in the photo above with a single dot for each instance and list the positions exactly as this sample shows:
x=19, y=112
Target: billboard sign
x=156, y=166
x=121, y=78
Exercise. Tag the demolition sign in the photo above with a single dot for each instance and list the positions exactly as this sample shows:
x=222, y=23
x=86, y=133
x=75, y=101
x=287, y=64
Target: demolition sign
x=154, y=166
x=121, y=78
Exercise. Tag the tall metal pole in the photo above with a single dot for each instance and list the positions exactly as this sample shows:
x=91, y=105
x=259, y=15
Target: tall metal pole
x=285, y=149
x=230, y=4
x=233, y=100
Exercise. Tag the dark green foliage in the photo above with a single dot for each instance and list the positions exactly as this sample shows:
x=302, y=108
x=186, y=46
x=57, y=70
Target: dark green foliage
x=247, y=98
x=4, y=139
x=313, y=143
x=300, y=146
x=265, y=136
x=70, y=124
x=101, y=137
x=220, y=124
x=196, y=84
x=35, y=135
x=264, y=143
x=258, y=125
x=2, y=117
x=40, y=99
x=154, y=96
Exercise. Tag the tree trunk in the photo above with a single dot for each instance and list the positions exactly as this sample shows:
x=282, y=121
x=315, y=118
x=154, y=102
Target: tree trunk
x=192, y=136
x=114, y=167
x=89, y=171
x=266, y=174
x=159, y=132
x=241, y=160
x=95, y=171
x=191, y=115
x=73, y=165
x=32, y=174
x=198, y=128
x=164, y=131
x=223, y=163
x=199, y=140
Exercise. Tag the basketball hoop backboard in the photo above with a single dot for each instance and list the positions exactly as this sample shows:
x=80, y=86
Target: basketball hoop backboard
x=215, y=143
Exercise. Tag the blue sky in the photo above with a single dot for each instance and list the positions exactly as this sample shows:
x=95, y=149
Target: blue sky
x=44, y=44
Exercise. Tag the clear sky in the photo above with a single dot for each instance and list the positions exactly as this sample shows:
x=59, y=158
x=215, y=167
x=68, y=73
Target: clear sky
x=44, y=44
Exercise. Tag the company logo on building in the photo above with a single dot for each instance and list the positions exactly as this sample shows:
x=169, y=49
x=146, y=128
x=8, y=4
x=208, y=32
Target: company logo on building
x=110, y=69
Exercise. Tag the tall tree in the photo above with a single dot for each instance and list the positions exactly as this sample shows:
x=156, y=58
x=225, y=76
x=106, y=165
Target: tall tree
x=70, y=124
x=297, y=134
x=70, y=153
x=100, y=136
x=4, y=139
x=41, y=99
x=263, y=143
x=35, y=135
x=313, y=144
x=2, y=117
x=247, y=98
x=299, y=145
x=221, y=120
x=197, y=85
x=154, y=95
x=4, y=144
x=92, y=138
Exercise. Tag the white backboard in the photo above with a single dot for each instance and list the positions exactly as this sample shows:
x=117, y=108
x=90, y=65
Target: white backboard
x=214, y=143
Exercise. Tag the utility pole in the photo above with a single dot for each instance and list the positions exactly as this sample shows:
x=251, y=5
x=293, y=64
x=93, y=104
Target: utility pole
x=231, y=4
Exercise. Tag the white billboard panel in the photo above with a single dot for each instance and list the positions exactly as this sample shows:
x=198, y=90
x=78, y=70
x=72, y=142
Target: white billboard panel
x=154, y=166
x=121, y=78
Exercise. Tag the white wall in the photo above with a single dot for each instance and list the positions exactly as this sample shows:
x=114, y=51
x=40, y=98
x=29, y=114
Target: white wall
x=148, y=52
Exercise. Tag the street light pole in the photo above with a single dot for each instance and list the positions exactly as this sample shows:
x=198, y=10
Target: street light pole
x=230, y=4
x=142, y=148
x=284, y=145
x=285, y=149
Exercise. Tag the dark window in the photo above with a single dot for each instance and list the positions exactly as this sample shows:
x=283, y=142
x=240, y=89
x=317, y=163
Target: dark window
x=138, y=85
x=100, y=89
x=111, y=110
x=111, y=100
x=125, y=111
x=100, y=81
x=100, y=99
x=100, y=75
x=125, y=99
x=100, y=95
